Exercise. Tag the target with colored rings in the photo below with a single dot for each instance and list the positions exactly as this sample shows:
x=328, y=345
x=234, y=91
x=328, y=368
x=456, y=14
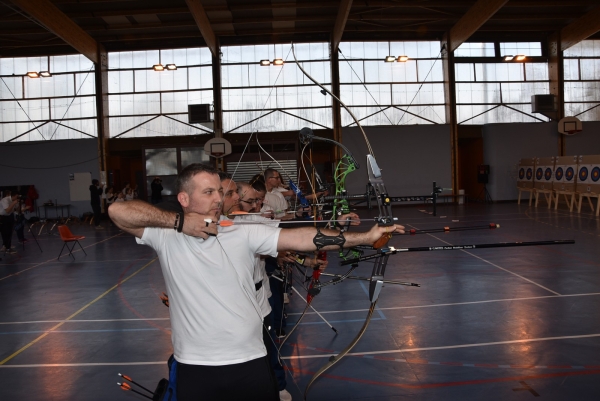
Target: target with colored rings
x=559, y=173
x=529, y=173
x=539, y=173
x=548, y=174
x=583, y=173
x=595, y=174
x=521, y=173
x=570, y=174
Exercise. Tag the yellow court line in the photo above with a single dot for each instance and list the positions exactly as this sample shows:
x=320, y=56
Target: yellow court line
x=74, y=314
x=50, y=260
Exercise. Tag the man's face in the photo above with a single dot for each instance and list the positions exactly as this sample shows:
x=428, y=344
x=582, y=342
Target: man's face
x=249, y=201
x=260, y=197
x=205, y=195
x=231, y=199
x=273, y=181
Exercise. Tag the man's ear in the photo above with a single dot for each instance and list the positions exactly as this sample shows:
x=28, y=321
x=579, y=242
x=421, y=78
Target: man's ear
x=184, y=199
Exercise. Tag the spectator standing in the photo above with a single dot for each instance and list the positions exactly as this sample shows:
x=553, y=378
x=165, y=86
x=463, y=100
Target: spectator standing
x=7, y=220
x=156, y=187
x=95, y=193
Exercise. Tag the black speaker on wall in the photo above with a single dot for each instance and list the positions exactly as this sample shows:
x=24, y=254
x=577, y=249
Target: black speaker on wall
x=198, y=113
x=483, y=172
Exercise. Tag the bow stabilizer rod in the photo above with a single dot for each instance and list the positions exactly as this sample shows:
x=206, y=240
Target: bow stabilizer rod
x=392, y=251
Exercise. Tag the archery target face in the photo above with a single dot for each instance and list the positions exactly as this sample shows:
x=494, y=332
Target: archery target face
x=559, y=174
x=548, y=173
x=539, y=173
x=570, y=174
x=584, y=174
x=521, y=173
x=595, y=174
x=529, y=173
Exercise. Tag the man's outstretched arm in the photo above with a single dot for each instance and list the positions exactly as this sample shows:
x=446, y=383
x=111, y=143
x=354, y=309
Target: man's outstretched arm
x=302, y=239
x=135, y=215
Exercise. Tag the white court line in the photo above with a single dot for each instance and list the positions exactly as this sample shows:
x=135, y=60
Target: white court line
x=321, y=312
x=87, y=321
x=456, y=303
x=495, y=265
x=446, y=347
x=67, y=365
x=52, y=365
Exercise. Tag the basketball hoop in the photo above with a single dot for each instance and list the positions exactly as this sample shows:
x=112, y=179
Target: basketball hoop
x=570, y=126
x=217, y=148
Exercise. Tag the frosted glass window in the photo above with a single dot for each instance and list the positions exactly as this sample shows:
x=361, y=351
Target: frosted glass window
x=475, y=50
x=193, y=155
x=531, y=49
x=161, y=161
x=372, y=87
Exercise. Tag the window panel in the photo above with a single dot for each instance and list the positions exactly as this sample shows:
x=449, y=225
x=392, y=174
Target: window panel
x=477, y=93
x=536, y=71
x=200, y=77
x=464, y=72
x=12, y=89
x=526, y=48
x=475, y=50
x=73, y=107
x=590, y=69
x=571, y=69
x=120, y=81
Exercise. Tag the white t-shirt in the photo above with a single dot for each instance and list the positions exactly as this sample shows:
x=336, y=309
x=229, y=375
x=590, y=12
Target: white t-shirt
x=215, y=317
x=275, y=201
x=260, y=273
x=5, y=204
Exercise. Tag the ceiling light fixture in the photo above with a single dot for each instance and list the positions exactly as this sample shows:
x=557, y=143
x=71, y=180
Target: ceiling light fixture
x=158, y=67
x=390, y=59
x=45, y=74
x=508, y=58
x=520, y=57
x=402, y=59
x=171, y=67
x=265, y=63
x=33, y=74
x=278, y=61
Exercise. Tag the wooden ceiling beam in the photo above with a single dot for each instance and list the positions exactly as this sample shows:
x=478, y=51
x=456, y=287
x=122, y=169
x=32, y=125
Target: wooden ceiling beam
x=49, y=16
x=340, y=23
x=580, y=29
x=472, y=21
x=204, y=25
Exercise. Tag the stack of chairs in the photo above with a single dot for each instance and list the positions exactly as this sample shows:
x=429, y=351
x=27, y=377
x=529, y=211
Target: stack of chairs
x=588, y=181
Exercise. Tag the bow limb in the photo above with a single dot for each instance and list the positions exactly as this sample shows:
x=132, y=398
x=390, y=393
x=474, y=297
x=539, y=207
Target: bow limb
x=335, y=359
x=335, y=97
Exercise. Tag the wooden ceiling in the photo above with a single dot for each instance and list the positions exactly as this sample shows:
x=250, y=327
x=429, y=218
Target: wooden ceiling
x=49, y=27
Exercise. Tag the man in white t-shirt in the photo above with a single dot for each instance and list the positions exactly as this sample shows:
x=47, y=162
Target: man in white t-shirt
x=208, y=270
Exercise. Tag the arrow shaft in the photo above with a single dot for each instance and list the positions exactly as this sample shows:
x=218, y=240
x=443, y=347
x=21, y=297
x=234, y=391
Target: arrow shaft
x=392, y=250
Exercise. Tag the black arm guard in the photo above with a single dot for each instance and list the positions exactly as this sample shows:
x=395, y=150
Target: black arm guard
x=321, y=240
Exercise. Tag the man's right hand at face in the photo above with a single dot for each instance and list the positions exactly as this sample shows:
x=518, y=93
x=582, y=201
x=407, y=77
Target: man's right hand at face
x=195, y=225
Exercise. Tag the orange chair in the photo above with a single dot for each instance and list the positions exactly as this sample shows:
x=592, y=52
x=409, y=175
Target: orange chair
x=67, y=236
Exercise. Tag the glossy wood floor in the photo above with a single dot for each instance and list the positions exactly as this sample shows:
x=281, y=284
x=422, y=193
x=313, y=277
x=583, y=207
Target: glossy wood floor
x=493, y=324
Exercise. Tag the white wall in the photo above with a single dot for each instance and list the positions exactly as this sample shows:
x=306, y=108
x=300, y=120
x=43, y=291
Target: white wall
x=47, y=164
x=586, y=142
x=411, y=157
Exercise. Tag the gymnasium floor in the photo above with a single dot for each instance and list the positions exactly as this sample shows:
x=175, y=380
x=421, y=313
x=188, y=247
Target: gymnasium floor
x=493, y=324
